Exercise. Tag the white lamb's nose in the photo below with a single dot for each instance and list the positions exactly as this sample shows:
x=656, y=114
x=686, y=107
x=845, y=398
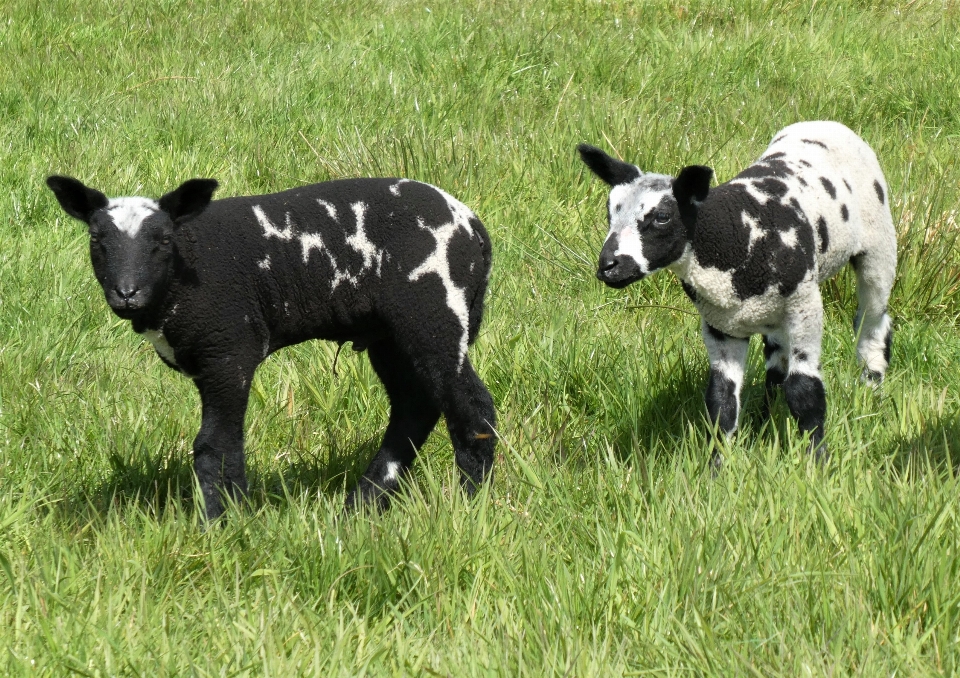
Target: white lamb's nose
x=607, y=264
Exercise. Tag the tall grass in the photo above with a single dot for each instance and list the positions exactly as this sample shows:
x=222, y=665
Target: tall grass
x=605, y=545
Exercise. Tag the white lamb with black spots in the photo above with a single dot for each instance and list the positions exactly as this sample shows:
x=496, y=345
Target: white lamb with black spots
x=397, y=267
x=752, y=252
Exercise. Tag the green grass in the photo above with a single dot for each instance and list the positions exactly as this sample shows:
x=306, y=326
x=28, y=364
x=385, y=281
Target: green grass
x=604, y=546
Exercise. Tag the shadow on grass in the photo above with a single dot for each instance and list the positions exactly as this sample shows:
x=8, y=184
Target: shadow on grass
x=325, y=471
x=663, y=419
x=161, y=481
x=936, y=447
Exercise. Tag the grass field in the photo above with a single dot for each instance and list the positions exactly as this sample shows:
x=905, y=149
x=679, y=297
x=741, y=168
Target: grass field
x=604, y=546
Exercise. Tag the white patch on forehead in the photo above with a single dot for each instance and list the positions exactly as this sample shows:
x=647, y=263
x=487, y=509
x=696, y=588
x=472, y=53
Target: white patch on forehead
x=439, y=263
x=329, y=207
x=264, y=263
x=636, y=199
x=128, y=214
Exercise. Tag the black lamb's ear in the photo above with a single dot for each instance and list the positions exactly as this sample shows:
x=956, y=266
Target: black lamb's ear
x=189, y=199
x=692, y=184
x=77, y=200
x=609, y=169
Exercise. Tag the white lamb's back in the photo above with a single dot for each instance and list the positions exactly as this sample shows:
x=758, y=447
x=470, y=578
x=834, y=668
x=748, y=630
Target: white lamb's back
x=836, y=152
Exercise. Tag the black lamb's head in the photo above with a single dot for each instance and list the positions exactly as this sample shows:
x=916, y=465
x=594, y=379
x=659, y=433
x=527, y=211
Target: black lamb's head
x=132, y=240
x=650, y=215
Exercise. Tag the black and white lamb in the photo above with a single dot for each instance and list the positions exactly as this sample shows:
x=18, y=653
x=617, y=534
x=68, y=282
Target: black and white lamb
x=751, y=253
x=396, y=267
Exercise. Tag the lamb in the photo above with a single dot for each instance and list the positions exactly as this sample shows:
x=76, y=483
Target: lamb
x=751, y=253
x=397, y=267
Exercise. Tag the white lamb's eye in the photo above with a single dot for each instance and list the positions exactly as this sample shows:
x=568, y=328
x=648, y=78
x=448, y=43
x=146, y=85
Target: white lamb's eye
x=661, y=217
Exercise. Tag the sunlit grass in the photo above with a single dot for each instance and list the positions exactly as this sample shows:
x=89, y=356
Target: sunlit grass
x=604, y=546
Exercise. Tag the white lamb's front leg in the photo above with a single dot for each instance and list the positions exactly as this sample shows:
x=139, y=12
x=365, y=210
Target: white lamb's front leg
x=803, y=386
x=728, y=359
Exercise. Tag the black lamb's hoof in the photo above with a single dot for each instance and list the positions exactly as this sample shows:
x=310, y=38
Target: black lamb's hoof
x=820, y=452
x=367, y=494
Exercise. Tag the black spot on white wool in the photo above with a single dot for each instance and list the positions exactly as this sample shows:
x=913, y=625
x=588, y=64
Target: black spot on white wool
x=823, y=234
x=829, y=187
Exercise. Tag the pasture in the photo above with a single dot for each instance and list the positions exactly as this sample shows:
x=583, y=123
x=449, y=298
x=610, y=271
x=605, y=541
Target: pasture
x=605, y=545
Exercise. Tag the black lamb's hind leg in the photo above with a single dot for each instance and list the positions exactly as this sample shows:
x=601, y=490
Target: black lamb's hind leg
x=471, y=420
x=218, y=458
x=448, y=376
x=413, y=416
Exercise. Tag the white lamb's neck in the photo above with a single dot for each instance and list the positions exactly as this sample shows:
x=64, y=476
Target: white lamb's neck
x=684, y=267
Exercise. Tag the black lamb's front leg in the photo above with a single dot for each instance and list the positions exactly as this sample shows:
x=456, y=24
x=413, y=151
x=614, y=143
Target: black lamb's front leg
x=218, y=457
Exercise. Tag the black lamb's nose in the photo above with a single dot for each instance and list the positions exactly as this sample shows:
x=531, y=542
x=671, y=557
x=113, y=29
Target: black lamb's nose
x=126, y=292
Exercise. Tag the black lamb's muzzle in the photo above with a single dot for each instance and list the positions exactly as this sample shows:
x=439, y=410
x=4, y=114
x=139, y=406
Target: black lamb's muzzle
x=126, y=299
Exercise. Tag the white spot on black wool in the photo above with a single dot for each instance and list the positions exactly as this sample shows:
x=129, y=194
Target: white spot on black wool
x=395, y=188
x=358, y=241
x=439, y=263
x=161, y=345
x=329, y=207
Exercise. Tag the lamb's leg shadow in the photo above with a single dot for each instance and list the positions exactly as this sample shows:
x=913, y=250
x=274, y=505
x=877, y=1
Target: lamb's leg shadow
x=662, y=421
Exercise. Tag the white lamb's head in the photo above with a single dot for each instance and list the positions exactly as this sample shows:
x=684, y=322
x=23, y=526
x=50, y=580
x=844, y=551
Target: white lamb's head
x=651, y=216
x=133, y=244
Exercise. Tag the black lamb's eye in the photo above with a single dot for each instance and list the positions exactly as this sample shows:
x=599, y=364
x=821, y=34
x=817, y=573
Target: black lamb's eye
x=94, y=237
x=166, y=240
x=661, y=217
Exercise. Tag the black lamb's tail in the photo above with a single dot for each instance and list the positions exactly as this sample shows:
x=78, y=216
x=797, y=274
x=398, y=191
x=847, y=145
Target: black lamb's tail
x=482, y=277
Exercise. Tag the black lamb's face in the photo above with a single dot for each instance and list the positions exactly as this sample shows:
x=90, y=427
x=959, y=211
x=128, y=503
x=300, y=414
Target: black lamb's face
x=650, y=216
x=132, y=250
x=132, y=240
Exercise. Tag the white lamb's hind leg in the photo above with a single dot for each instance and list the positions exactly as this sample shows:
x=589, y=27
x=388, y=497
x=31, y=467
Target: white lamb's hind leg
x=872, y=325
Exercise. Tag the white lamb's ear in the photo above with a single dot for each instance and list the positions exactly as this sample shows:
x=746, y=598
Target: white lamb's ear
x=692, y=184
x=189, y=199
x=612, y=171
x=77, y=200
